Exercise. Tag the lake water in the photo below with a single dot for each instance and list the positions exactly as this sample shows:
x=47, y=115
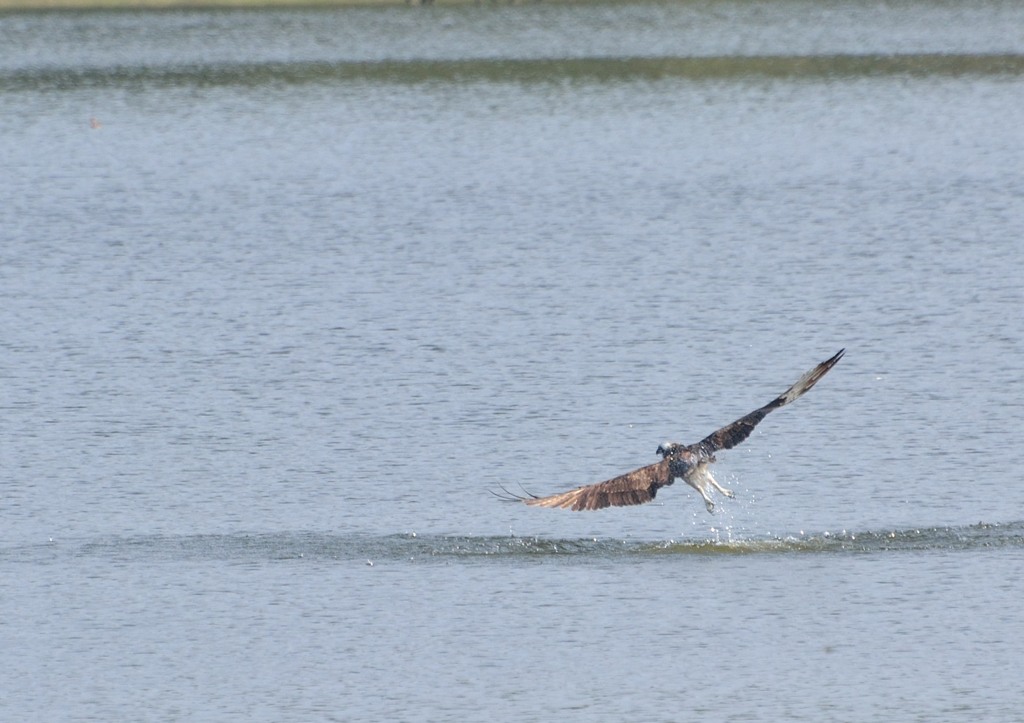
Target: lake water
x=285, y=295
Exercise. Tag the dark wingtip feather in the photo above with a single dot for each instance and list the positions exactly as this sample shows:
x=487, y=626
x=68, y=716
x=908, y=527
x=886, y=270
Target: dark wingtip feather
x=506, y=496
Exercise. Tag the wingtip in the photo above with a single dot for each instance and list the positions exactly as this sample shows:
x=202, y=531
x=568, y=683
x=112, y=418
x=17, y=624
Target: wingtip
x=834, y=359
x=506, y=496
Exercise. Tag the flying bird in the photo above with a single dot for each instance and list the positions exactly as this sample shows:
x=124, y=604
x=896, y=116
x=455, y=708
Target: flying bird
x=678, y=461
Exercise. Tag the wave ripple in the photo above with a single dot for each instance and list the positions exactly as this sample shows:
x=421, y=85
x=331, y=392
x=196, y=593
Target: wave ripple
x=269, y=547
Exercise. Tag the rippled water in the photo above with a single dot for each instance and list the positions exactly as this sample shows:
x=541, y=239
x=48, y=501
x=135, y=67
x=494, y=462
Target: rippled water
x=411, y=547
x=286, y=295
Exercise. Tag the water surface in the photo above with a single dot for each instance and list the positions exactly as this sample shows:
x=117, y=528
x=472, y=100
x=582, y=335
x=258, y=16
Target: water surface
x=312, y=284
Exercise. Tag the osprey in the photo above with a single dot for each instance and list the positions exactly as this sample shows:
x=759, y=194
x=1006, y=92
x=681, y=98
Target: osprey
x=678, y=461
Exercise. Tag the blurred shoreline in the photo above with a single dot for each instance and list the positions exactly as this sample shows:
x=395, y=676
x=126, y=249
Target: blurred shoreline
x=26, y=5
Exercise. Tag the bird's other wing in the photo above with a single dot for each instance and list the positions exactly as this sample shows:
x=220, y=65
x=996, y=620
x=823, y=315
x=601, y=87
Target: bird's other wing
x=732, y=434
x=632, y=488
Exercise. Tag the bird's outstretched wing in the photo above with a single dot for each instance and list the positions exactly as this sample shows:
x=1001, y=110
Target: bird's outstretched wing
x=732, y=434
x=632, y=488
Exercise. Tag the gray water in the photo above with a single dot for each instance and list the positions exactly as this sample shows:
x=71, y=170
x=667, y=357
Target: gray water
x=318, y=282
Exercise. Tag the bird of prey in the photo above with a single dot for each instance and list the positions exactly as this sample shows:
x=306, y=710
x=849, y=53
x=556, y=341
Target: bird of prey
x=678, y=461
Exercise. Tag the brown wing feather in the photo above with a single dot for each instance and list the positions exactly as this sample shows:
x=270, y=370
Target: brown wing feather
x=632, y=488
x=730, y=435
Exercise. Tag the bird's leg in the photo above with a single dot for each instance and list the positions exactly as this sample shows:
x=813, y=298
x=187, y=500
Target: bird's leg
x=720, y=488
x=697, y=481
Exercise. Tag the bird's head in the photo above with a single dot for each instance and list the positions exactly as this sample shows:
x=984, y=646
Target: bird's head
x=667, y=449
